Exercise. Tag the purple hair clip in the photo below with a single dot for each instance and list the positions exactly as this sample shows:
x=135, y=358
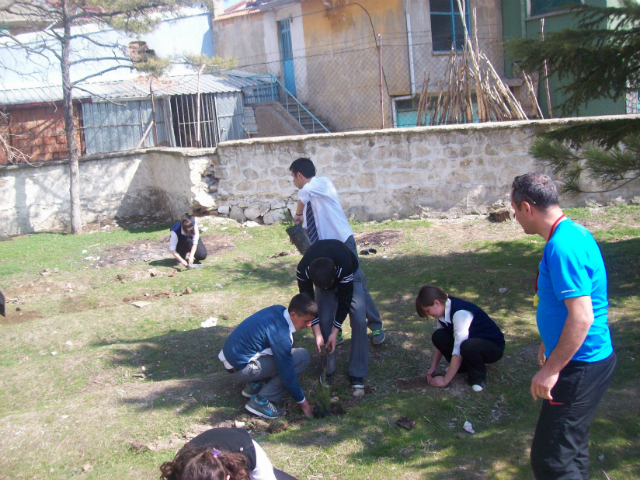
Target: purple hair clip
x=215, y=452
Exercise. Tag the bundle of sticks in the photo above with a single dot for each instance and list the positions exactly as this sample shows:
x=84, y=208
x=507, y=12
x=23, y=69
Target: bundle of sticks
x=469, y=74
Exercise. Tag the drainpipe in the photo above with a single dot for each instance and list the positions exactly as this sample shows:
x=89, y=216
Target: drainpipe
x=410, y=45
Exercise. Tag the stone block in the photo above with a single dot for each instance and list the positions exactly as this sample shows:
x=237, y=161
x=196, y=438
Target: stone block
x=367, y=180
x=224, y=210
x=342, y=158
x=280, y=172
x=277, y=203
x=244, y=186
x=237, y=214
x=342, y=182
x=418, y=150
x=250, y=174
x=274, y=216
x=252, y=213
x=221, y=171
x=491, y=150
x=323, y=158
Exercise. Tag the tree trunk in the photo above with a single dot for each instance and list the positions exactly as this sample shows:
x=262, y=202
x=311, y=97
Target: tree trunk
x=69, y=125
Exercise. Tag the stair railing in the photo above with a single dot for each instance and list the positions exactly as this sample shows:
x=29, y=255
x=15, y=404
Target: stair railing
x=261, y=90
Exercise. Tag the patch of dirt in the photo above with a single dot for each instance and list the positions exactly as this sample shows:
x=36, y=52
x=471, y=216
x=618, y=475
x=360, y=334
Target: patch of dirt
x=146, y=251
x=412, y=382
x=42, y=286
x=382, y=238
x=21, y=316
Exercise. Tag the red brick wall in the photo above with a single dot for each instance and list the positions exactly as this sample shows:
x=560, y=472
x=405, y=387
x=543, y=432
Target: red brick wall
x=38, y=132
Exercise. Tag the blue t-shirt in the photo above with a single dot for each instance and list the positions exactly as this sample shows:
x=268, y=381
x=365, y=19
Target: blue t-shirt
x=572, y=266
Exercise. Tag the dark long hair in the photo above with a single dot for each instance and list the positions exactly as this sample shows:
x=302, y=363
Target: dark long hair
x=199, y=463
x=427, y=295
x=188, y=225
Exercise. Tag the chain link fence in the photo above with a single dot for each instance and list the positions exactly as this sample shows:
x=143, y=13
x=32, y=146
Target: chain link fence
x=371, y=82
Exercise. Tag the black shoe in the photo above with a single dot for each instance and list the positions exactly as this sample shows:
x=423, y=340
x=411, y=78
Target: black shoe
x=357, y=382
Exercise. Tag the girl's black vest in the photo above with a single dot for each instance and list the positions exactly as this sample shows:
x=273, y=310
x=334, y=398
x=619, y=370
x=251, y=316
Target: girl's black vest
x=481, y=326
x=177, y=227
x=234, y=440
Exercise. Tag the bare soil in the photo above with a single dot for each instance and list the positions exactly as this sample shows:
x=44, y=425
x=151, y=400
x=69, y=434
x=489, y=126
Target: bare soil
x=382, y=238
x=145, y=251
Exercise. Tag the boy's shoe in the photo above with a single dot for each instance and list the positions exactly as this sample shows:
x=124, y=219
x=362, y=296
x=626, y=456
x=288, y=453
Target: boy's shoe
x=251, y=388
x=326, y=380
x=263, y=408
x=378, y=336
x=357, y=382
x=479, y=386
x=339, y=338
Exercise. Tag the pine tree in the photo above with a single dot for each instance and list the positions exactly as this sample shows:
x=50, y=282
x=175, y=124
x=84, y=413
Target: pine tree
x=597, y=59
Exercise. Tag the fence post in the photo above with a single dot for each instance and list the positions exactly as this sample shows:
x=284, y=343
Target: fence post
x=198, y=134
x=153, y=113
x=546, y=71
x=380, y=71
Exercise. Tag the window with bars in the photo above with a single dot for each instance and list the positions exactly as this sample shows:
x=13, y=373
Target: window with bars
x=446, y=25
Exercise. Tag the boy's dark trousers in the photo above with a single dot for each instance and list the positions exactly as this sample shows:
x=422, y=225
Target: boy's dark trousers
x=184, y=247
x=475, y=353
x=560, y=448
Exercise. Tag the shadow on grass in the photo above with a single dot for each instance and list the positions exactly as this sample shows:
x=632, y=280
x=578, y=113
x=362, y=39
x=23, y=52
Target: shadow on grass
x=504, y=415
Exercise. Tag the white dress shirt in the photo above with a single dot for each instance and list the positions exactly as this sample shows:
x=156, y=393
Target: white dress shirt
x=461, y=324
x=331, y=222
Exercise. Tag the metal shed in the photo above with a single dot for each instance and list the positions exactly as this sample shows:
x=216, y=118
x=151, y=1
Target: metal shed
x=120, y=113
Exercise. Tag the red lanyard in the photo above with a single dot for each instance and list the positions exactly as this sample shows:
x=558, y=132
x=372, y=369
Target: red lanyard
x=553, y=229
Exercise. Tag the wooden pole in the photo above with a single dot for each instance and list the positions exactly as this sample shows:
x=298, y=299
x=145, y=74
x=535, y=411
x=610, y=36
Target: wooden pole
x=153, y=113
x=198, y=134
x=546, y=71
x=380, y=71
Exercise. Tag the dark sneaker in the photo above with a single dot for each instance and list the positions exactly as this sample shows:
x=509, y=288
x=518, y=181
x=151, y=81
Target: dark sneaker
x=357, y=382
x=263, y=408
x=326, y=380
x=251, y=388
x=378, y=336
x=339, y=338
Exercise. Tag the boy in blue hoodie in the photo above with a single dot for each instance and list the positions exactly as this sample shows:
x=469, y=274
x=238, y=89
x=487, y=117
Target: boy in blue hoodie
x=260, y=352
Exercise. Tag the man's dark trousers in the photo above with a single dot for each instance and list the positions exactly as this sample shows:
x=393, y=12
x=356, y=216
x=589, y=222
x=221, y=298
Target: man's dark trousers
x=560, y=449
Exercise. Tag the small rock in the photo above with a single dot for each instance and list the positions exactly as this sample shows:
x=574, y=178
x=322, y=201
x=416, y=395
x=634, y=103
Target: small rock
x=68, y=343
x=406, y=422
x=501, y=215
x=358, y=392
x=138, y=445
x=18, y=309
x=84, y=251
x=334, y=400
x=209, y=322
x=143, y=368
x=188, y=291
x=503, y=290
x=87, y=467
x=238, y=424
x=219, y=286
x=140, y=304
x=467, y=427
x=54, y=353
x=153, y=272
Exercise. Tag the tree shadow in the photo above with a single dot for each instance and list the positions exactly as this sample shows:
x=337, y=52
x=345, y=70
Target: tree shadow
x=504, y=414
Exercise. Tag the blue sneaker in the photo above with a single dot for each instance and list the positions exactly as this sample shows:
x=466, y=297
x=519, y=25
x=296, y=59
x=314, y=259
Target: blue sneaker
x=263, y=408
x=251, y=388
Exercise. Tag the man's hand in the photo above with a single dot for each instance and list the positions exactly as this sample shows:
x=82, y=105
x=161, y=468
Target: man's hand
x=542, y=358
x=306, y=408
x=430, y=373
x=542, y=383
x=438, y=382
x=331, y=341
x=318, y=337
x=297, y=219
x=183, y=263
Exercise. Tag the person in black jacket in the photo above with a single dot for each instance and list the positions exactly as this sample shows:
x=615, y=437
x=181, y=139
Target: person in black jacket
x=225, y=453
x=466, y=336
x=333, y=269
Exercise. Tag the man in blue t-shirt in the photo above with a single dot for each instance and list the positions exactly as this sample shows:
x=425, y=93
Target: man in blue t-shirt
x=576, y=356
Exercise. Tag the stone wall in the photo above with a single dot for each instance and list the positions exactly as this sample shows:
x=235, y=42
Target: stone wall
x=162, y=182
x=379, y=174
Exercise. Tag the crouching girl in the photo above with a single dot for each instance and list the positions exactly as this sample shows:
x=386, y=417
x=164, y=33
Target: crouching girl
x=465, y=335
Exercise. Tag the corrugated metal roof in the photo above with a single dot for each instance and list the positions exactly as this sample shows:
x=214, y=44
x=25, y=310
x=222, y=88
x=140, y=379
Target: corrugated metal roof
x=135, y=88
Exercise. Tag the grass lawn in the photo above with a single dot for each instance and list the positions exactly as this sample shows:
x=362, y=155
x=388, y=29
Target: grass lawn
x=94, y=387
